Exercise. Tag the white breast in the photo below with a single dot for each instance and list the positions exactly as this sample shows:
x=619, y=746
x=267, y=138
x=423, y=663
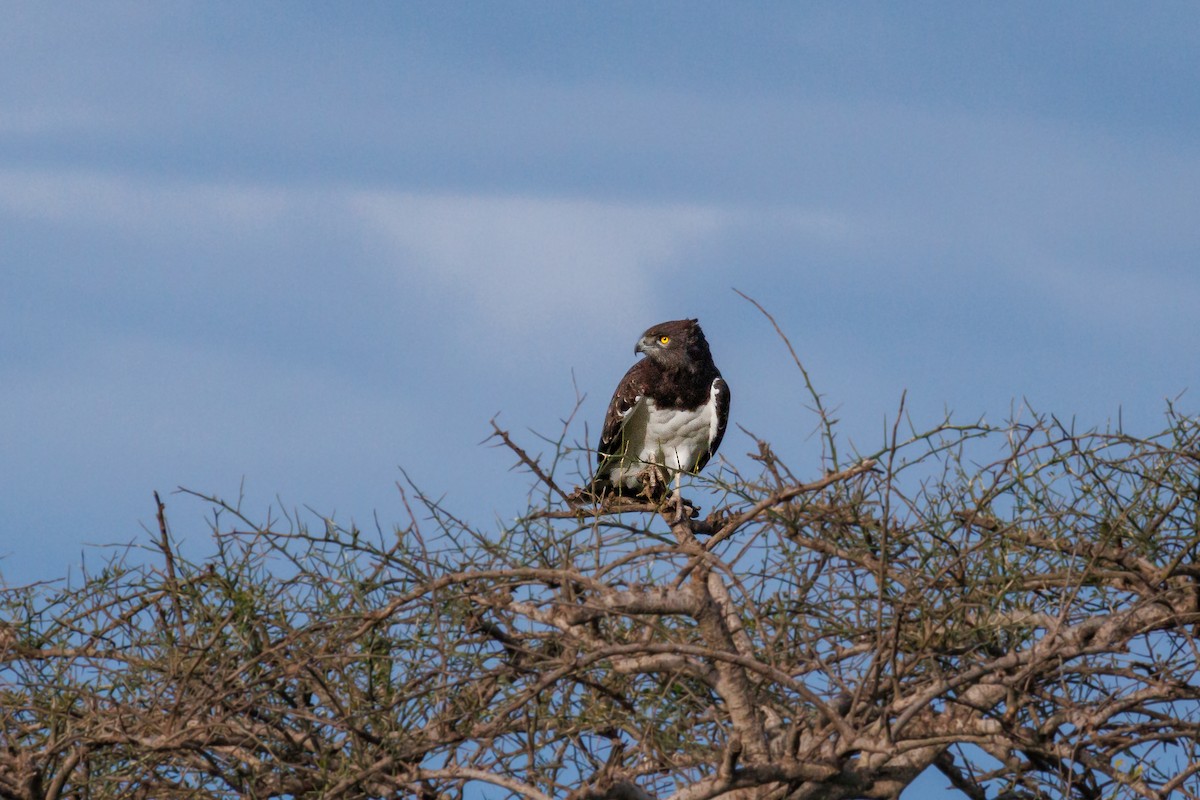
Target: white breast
x=667, y=437
x=676, y=438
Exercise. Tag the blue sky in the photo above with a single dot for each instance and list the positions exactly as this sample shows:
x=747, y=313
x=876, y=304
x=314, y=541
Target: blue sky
x=287, y=248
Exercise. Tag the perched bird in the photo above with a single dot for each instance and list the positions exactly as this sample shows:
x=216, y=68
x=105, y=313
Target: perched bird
x=667, y=415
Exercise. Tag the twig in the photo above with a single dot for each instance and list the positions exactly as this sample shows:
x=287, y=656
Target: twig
x=532, y=463
x=826, y=424
x=164, y=544
x=783, y=496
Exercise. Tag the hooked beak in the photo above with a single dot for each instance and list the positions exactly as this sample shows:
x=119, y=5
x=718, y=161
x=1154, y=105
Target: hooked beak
x=640, y=347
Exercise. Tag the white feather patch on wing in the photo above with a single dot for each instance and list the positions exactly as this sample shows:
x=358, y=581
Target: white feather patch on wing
x=714, y=419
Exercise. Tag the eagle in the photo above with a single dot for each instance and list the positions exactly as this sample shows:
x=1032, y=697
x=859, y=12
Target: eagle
x=667, y=416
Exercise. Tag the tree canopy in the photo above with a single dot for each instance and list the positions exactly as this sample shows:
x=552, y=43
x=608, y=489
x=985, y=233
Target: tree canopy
x=1014, y=606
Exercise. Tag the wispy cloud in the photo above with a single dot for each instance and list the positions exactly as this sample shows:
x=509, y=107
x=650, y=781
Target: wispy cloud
x=520, y=257
x=55, y=120
x=527, y=261
x=135, y=203
x=514, y=259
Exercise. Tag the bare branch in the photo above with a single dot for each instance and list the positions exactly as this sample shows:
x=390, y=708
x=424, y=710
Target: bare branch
x=1013, y=606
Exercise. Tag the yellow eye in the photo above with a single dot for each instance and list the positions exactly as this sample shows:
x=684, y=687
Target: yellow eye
x=664, y=340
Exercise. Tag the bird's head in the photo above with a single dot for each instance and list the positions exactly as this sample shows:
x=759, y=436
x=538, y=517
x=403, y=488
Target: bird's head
x=679, y=344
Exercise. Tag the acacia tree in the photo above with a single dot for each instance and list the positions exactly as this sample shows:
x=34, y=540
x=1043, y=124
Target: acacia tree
x=1012, y=606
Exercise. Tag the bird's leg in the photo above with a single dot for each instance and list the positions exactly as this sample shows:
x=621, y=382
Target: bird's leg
x=683, y=509
x=677, y=499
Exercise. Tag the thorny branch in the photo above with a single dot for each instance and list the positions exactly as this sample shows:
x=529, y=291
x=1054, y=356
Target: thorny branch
x=1015, y=607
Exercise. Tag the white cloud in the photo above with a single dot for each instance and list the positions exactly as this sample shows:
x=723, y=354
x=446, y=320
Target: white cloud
x=521, y=258
x=528, y=262
x=137, y=204
x=53, y=120
x=514, y=259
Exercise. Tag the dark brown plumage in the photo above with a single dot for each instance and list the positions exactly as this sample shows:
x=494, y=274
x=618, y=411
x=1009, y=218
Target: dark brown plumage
x=668, y=413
